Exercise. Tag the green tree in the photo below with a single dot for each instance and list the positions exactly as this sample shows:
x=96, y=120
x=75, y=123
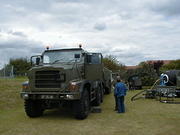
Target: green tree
x=157, y=65
x=148, y=73
x=113, y=64
x=21, y=66
x=172, y=65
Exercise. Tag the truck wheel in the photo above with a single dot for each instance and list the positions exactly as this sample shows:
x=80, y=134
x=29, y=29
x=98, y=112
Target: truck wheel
x=107, y=90
x=98, y=99
x=102, y=95
x=33, y=108
x=82, y=106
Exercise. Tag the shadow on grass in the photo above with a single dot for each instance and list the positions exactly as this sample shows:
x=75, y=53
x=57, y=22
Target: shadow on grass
x=65, y=112
x=61, y=113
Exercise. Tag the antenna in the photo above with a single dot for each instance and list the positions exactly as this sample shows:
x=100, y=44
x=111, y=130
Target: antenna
x=80, y=46
x=47, y=47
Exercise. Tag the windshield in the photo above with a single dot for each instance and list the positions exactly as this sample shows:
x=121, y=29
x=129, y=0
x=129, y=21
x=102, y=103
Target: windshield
x=62, y=56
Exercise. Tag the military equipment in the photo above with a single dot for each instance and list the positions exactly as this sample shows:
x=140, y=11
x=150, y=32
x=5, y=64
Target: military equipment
x=166, y=89
x=172, y=78
x=114, y=75
x=134, y=82
x=66, y=77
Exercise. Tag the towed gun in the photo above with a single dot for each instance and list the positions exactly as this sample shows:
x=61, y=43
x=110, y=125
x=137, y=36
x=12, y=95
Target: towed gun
x=164, y=89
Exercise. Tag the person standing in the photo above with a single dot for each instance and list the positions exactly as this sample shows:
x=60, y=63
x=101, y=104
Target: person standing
x=120, y=93
x=116, y=102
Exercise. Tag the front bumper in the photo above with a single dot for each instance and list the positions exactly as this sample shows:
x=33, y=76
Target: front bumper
x=50, y=95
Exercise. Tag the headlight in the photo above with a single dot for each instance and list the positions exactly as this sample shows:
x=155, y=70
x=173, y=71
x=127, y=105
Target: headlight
x=73, y=86
x=69, y=96
x=25, y=85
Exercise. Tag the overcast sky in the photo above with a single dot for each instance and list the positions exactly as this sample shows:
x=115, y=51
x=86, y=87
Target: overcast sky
x=131, y=30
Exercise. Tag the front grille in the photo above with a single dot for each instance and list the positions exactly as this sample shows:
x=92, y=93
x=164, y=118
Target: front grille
x=47, y=79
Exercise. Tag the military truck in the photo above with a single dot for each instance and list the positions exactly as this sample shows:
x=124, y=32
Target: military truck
x=134, y=82
x=65, y=77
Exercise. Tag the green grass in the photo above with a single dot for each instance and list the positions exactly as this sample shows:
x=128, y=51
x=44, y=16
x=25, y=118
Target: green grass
x=143, y=117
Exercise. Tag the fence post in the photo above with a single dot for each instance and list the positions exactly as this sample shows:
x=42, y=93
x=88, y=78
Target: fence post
x=4, y=70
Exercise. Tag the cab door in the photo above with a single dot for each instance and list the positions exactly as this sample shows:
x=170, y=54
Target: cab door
x=93, y=66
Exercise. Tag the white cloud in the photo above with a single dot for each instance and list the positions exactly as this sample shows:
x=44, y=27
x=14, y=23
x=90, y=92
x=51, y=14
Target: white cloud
x=132, y=30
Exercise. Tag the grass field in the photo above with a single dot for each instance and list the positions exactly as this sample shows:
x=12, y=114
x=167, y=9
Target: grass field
x=143, y=117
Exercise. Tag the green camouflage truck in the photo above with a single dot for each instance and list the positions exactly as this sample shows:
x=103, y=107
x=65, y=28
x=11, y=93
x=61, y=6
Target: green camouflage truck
x=65, y=77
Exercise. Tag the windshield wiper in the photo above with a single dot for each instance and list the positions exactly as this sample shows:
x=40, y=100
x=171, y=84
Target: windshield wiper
x=56, y=61
x=67, y=62
x=72, y=60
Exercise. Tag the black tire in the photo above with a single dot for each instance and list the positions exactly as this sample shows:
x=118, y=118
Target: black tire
x=33, y=108
x=102, y=95
x=82, y=106
x=178, y=93
x=107, y=90
x=98, y=99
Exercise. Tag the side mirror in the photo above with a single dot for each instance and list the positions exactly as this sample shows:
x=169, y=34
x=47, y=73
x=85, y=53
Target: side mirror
x=37, y=60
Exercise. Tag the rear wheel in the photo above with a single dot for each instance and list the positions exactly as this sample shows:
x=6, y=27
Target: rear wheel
x=107, y=90
x=102, y=95
x=82, y=106
x=33, y=108
x=98, y=99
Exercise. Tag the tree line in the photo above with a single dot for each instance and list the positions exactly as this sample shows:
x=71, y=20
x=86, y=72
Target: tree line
x=148, y=71
x=20, y=66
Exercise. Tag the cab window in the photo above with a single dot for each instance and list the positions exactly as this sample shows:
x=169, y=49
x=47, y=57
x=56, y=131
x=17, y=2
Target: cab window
x=94, y=58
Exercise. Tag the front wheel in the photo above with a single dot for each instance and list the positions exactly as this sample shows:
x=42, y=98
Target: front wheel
x=82, y=106
x=33, y=108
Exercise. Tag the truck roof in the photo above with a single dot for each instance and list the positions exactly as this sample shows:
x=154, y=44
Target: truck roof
x=67, y=49
x=70, y=49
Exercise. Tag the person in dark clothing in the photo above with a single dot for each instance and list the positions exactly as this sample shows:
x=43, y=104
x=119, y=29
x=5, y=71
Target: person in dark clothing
x=120, y=93
x=116, y=102
x=115, y=97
